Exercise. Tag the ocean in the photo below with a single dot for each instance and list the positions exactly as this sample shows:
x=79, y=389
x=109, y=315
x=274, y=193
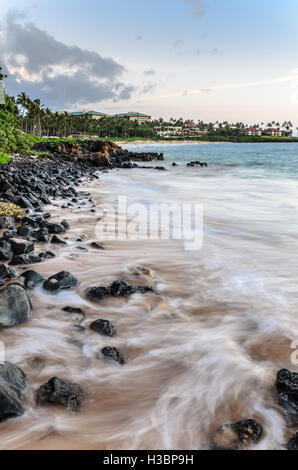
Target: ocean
x=204, y=350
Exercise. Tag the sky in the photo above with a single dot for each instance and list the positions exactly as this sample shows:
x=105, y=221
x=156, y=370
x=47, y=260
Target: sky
x=200, y=59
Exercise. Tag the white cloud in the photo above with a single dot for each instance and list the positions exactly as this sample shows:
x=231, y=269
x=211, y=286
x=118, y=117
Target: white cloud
x=231, y=86
x=59, y=74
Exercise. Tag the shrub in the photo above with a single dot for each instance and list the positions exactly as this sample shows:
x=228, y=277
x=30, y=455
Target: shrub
x=7, y=208
x=4, y=158
x=11, y=138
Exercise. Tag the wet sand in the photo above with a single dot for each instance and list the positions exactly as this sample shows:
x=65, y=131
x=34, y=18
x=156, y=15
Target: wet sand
x=194, y=362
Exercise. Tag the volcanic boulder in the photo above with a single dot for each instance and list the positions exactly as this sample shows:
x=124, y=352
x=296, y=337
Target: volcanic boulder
x=12, y=386
x=293, y=442
x=61, y=281
x=112, y=354
x=20, y=246
x=121, y=289
x=5, y=251
x=7, y=222
x=103, y=327
x=59, y=392
x=287, y=388
x=32, y=279
x=237, y=436
x=15, y=305
x=96, y=294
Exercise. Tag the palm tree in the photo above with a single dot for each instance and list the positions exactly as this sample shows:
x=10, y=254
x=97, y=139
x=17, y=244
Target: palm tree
x=22, y=101
x=48, y=116
x=2, y=75
x=37, y=111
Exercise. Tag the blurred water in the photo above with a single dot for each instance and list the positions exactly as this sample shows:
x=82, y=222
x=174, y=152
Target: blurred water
x=203, y=352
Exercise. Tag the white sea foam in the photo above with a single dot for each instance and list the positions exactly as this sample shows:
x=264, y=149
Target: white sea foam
x=202, y=353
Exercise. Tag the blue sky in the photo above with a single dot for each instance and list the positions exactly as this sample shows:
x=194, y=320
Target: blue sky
x=244, y=53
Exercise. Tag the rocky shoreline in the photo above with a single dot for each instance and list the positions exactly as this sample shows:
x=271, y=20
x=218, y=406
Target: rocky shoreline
x=27, y=186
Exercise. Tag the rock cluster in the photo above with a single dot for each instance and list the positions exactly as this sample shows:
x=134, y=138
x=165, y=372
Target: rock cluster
x=194, y=164
x=116, y=289
x=97, y=153
x=26, y=186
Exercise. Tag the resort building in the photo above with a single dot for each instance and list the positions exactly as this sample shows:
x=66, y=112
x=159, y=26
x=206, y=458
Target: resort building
x=167, y=131
x=132, y=116
x=276, y=132
x=253, y=131
x=195, y=132
x=92, y=114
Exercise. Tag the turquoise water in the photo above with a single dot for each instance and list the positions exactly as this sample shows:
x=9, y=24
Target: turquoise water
x=247, y=160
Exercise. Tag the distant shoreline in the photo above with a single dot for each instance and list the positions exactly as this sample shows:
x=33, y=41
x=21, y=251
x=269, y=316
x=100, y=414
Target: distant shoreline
x=224, y=141
x=150, y=142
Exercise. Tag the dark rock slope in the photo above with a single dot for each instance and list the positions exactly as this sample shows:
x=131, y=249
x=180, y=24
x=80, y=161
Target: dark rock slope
x=98, y=153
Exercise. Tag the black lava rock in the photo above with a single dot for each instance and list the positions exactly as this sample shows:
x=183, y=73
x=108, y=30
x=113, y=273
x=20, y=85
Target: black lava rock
x=6, y=273
x=55, y=228
x=82, y=248
x=25, y=231
x=65, y=224
x=5, y=251
x=7, y=222
x=237, y=436
x=96, y=294
x=77, y=310
x=194, y=164
x=13, y=383
x=61, y=281
x=8, y=235
x=121, y=289
x=293, y=442
x=144, y=289
x=25, y=259
x=46, y=255
x=56, y=240
x=287, y=388
x=59, y=392
x=32, y=279
x=113, y=354
x=24, y=203
x=104, y=327
x=21, y=247
x=15, y=306
x=42, y=235
x=97, y=246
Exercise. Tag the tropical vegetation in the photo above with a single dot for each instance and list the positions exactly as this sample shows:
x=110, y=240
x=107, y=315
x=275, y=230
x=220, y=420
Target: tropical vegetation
x=24, y=121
